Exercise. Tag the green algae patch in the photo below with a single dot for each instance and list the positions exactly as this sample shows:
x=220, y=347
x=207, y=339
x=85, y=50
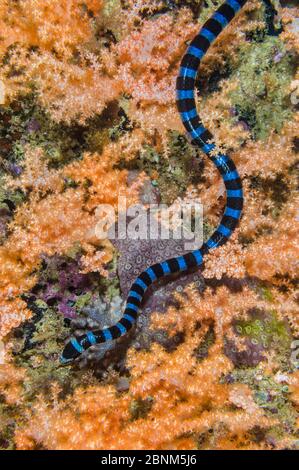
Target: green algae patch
x=271, y=394
x=264, y=73
x=268, y=333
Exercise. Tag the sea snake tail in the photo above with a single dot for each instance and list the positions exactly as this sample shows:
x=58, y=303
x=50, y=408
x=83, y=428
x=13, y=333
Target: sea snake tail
x=201, y=138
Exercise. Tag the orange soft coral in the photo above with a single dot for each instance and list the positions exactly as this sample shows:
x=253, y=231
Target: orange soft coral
x=277, y=253
x=55, y=218
x=11, y=379
x=186, y=396
x=45, y=40
x=185, y=401
x=46, y=24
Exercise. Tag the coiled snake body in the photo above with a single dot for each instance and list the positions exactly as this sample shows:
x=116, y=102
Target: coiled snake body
x=201, y=138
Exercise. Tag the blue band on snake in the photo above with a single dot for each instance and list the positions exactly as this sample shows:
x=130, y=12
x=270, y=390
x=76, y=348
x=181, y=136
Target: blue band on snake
x=202, y=138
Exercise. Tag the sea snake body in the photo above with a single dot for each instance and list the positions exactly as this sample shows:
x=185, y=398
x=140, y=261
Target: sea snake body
x=200, y=137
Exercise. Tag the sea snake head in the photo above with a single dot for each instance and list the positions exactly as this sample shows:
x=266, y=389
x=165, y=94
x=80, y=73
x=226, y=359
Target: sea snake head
x=70, y=353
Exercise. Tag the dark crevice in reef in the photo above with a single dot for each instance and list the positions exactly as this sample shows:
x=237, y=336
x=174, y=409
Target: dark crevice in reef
x=296, y=144
x=202, y=351
x=211, y=83
x=276, y=188
x=270, y=14
x=27, y=329
x=234, y=285
x=289, y=3
x=272, y=26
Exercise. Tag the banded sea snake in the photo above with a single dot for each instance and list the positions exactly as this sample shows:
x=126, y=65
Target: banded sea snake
x=200, y=137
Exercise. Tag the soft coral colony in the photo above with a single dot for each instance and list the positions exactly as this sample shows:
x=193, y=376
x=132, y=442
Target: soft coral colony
x=86, y=100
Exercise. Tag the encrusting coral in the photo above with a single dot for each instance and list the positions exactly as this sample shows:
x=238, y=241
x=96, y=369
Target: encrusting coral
x=87, y=113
